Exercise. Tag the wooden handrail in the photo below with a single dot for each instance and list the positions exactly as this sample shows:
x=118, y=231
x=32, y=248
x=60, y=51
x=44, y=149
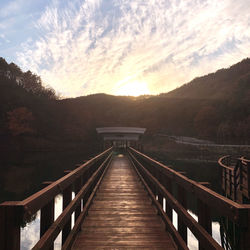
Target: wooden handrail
x=199, y=232
x=160, y=178
x=221, y=160
x=48, y=238
x=12, y=214
x=78, y=223
x=235, y=211
x=34, y=202
x=234, y=185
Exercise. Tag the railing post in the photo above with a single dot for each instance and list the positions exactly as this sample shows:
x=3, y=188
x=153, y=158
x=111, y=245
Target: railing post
x=204, y=218
x=10, y=219
x=47, y=215
x=225, y=181
x=67, y=197
x=160, y=196
x=182, y=198
x=168, y=185
x=78, y=184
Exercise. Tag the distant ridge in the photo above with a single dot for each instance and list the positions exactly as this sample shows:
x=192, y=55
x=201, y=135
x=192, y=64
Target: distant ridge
x=221, y=84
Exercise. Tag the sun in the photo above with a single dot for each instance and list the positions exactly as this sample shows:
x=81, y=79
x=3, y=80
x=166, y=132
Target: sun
x=133, y=89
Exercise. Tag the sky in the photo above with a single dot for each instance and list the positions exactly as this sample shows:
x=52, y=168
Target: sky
x=123, y=47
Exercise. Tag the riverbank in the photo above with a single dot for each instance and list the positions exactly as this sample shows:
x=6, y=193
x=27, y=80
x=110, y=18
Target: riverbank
x=191, y=149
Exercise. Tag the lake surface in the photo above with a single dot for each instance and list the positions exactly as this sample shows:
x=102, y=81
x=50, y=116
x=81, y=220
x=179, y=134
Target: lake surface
x=22, y=174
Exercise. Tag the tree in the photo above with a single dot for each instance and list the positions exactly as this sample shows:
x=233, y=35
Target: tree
x=15, y=69
x=20, y=121
x=32, y=82
x=3, y=64
x=206, y=121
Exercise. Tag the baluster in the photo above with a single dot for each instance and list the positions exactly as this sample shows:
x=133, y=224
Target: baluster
x=67, y=197
x=85, y=178
x=223, y=179
x=160, y=196
x=204, y=218
x=168, y=186
x=47, y=215
x=230, y=183
x=182, y=198
x=78, y=185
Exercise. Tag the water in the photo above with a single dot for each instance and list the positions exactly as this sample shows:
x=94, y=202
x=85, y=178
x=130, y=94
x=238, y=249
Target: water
x=22, y=174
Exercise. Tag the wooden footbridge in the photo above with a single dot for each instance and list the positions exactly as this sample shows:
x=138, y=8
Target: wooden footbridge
x=123, y=202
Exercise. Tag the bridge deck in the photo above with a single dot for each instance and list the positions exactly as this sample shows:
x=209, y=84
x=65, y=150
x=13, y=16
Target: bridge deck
x=121, y=215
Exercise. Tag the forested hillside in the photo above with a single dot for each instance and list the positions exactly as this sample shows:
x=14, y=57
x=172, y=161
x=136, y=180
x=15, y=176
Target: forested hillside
x=214, y=107
x=31, y=117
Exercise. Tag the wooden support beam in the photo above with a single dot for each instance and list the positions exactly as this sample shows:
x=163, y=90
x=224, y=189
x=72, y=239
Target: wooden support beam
x=10, y=220
x=67, y=197
x=182, y=198
x=204, y=219
x=168, y=185
x=77, y=188
x=47, y=215
x=160, y=196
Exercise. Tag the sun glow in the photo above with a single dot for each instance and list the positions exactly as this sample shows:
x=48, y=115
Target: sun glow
x=133, y=89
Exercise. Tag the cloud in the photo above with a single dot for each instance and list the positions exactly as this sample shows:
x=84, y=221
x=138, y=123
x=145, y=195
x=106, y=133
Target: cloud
x=96, y=46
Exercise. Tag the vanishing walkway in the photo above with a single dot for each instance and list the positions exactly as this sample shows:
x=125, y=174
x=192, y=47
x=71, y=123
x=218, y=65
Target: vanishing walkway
x=121, y=215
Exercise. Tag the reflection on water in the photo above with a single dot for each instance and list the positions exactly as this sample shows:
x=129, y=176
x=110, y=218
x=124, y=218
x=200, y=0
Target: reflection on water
x=30, y=234
x=28, y=170
x=58, y=211
x=192, y=241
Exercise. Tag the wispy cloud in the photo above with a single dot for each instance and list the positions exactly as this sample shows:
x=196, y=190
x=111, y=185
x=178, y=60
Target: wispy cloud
x=97, y=46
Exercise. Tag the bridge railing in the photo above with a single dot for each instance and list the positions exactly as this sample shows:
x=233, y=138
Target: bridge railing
x=235, y=174
x=160, y=179
x=84, y=181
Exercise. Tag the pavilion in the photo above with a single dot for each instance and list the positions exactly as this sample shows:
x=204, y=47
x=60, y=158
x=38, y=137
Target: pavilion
x=121, y=137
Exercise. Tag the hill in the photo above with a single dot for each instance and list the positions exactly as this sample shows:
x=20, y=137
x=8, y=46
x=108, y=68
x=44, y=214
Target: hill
x=223, y=84
x=213, y=107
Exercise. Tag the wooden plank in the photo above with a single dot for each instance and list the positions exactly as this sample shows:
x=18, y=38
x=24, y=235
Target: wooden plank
x=121, y=215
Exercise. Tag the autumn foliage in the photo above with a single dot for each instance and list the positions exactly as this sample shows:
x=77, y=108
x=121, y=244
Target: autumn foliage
x=20, y=121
